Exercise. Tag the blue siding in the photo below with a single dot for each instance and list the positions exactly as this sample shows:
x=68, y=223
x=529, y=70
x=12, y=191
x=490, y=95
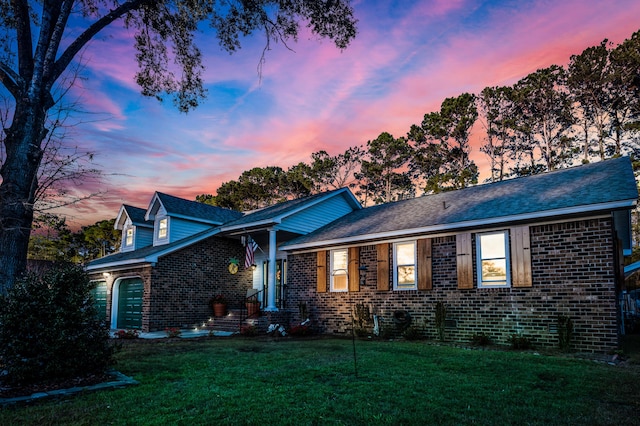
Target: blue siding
x=316, y=216
x=181, y=228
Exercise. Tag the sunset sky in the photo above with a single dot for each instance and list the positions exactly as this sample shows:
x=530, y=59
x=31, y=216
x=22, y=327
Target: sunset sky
x=407, y=58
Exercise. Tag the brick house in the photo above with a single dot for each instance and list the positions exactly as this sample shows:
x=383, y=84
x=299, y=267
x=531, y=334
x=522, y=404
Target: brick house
x=177, y=254
x=504, y=258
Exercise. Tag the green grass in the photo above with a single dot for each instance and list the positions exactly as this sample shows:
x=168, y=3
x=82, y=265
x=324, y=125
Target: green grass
x=308, y=382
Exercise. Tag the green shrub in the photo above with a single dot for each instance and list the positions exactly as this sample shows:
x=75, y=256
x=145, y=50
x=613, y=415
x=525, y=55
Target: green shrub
x=441, y=315
x=50, y=329
x=480, y=339
x=412, y=333
x=519, y=341
x=565, y=332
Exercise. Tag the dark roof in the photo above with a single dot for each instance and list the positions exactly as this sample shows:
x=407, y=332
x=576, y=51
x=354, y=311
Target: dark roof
x=136, y=214
x=564, y=191
x=145, y=253
x=193, y=209
x=279, y=210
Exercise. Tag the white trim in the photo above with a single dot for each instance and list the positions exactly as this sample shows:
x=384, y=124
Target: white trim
x=396, y=264
x=115, y=294
x=496, y=221
x=157, y=240
x=332, y=270
x=507, y=254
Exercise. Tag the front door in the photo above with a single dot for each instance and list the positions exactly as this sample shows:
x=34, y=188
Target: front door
x=130, y=295
x=281, y=281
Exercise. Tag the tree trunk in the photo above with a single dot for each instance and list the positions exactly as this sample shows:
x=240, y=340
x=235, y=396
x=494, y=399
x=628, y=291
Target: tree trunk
x=19, y=183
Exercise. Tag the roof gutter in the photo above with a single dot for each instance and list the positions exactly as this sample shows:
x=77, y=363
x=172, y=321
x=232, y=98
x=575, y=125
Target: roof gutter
x=570, y=211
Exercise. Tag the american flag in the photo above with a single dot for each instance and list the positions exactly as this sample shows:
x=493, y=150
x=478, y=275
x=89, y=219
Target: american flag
x=251, y=247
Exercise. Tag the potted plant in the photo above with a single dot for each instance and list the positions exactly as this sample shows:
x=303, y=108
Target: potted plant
x=253, y=307
x=219, y=305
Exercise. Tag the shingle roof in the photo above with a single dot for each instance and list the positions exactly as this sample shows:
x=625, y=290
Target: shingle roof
x=193, y=209
x=149, y=253
x=136, y=214
x=576, y=189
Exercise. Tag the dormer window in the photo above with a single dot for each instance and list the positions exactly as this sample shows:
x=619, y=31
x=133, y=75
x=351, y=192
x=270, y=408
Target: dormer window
x=128, y=239
x=163, y=225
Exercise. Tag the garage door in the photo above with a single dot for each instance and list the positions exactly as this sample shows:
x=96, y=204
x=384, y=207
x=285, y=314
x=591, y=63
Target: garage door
x=99, y=294
x=130, y=303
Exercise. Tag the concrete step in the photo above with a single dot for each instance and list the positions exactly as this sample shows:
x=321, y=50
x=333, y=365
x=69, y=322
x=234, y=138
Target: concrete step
x=231, y=321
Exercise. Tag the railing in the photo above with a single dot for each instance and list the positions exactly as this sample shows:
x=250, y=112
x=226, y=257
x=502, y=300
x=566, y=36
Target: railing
x=253, y=298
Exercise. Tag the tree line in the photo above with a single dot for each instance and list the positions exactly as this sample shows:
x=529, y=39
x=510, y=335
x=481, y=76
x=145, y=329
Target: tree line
x=553, y=118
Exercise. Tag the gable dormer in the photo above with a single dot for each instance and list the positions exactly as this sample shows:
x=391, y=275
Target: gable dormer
x=136, y=231
x=176, y=218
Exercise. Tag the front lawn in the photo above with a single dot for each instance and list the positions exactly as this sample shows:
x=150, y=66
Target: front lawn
x=305, y=382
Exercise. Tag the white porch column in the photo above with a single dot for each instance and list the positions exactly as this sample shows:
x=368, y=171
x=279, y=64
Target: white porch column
x=271, y=303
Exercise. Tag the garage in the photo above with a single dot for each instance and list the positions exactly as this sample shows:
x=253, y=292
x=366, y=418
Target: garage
x=130, y=293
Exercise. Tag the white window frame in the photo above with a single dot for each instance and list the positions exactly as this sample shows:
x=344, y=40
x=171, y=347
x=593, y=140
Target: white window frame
x=397, y=265
x=129, y=242
x=165, y=237
x=339, y=271
x=489, y=284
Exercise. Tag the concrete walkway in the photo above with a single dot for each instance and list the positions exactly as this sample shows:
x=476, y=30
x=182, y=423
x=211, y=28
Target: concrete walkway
x=184, y=333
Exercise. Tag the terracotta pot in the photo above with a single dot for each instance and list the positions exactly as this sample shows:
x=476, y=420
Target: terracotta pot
x=252, y=309
x=219, y=309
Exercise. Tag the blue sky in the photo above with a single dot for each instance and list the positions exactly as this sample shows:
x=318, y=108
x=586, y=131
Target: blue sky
x=407, y=58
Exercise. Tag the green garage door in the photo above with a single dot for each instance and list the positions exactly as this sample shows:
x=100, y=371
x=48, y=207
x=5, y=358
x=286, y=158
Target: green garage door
x=99, y=294
x=130, y=303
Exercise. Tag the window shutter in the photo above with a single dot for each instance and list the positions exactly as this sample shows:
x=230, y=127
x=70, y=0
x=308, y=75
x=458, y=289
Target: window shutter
x=464, y=260
x=383, y=267
x=354, y=271
x=322, y=271
x=521, y=257
x=424, y=264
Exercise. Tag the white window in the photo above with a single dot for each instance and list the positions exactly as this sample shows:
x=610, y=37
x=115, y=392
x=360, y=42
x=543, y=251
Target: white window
x=404, y=272
x=162, y=228
x=492, y=259
x=128, y=239
x=339, y=264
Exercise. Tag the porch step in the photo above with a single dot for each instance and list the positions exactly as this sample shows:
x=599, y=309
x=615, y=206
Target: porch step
x=231, y=321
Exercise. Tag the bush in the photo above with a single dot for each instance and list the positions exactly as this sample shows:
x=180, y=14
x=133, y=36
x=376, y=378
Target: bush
x=128, y=334
x=565, y=332
x=249, y=330
x=480, y=339
x=519, y=341
x=50, y=329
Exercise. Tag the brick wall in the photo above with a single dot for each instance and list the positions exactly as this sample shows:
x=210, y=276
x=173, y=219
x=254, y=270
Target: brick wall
x=573, y=275
x=178, y=288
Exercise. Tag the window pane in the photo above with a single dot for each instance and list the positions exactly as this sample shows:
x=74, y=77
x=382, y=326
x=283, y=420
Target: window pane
x=340, y=282
x=129, y=239
x=404, y=254
x=406, y=276
x=492, y=246
x=494, y=270
x=162, y=228
x=339, y=259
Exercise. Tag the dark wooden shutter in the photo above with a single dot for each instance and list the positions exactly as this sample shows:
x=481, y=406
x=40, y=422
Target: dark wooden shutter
x=354, y=271
x=383, y=266
x=521, y=257
x=322, y=271
x=464, y=260
x=424, y=264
